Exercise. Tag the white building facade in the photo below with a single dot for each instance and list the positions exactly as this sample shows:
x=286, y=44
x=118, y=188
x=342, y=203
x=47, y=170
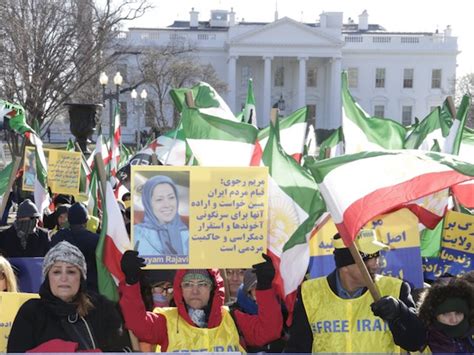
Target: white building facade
x=395, y=75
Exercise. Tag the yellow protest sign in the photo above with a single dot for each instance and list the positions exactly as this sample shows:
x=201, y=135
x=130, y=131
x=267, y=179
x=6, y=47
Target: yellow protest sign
x=10, y=303
x=64, y=169
x=196, y=217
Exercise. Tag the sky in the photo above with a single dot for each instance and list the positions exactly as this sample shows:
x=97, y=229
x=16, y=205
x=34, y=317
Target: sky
x=393, y=15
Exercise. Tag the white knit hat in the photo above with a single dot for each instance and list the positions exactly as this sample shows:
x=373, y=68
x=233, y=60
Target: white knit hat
x=67, y=253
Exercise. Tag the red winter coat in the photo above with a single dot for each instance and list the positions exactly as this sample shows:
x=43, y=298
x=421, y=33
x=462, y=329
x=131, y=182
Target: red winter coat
x=256, y=330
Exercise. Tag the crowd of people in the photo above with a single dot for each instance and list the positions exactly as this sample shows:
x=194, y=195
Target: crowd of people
x=212, y=310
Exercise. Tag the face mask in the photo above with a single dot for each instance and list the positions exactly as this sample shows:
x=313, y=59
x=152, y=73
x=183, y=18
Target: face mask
x=24, y=229
x=454, y=331
x=159, y=300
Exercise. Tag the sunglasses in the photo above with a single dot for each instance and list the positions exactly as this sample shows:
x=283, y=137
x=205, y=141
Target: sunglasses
x=161, y=289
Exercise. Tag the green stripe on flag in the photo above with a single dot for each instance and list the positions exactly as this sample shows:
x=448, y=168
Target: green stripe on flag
x=5, y=177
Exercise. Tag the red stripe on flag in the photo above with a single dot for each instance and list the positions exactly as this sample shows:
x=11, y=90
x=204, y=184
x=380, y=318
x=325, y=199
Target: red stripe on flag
x=391, y=198
x=112, y=257
x=257, y=155
x=464, y=194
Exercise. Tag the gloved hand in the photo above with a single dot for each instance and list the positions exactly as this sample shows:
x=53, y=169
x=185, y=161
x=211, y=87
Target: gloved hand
x=131, y=265
x=265, y=273
x=387, y=308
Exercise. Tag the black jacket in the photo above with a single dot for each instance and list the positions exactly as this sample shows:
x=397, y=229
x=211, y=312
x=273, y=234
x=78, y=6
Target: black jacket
x=86, y=241
x=47, y=318
x=408, y=331
x=37, y=244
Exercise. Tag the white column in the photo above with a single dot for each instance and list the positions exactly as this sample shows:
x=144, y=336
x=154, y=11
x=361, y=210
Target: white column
x=267, y=92
x=231, y=75
x=336, y=103
x=302, y=82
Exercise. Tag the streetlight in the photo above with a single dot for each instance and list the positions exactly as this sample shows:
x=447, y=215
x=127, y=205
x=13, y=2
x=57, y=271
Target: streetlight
x=136, y=103
x=110, y=96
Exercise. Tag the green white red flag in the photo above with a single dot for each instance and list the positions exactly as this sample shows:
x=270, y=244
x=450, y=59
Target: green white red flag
x=218, y=142
x=359, y=187
x=294, y=207
x=115, y=141
x=250, y=113
x=113, y=242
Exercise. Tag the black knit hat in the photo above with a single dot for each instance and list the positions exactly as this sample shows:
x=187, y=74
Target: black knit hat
x=27, y=209
x=77, y=214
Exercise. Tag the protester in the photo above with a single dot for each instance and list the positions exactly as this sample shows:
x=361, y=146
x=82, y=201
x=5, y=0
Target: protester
x=66, y=317
x=199, y=322
x=8, y=281
x=234, y=279
x=162, y=231
x=24, y=238
x=85, y=240
x=447, y=311
x=337, y=314
x=50, y=220
x=247, y=303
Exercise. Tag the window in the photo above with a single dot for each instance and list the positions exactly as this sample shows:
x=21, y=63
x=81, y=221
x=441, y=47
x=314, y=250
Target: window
x=312, y=115
x=436, y=79
x=353, y=77
x=407, y=78
x=407, y=115
x=380, y=77
x=280, y=76
x=150, y=114
x=245, y=75
x=379, y=111
x=312, y=77
x=123, y=114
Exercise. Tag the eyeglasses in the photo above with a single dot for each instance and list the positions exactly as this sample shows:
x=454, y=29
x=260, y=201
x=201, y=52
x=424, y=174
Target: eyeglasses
x=200, y=285
x=161, y=289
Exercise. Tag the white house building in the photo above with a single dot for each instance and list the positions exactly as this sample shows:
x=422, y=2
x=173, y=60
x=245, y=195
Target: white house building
x=398, y=75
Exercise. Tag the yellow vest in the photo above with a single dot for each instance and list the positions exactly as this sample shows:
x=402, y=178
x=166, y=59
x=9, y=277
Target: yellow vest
x=348, y=325
x=183, y=337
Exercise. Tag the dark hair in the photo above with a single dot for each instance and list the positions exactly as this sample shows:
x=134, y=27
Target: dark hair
x=438, y=293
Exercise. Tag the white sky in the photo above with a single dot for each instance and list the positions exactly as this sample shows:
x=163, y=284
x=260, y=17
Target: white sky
x=394, y=15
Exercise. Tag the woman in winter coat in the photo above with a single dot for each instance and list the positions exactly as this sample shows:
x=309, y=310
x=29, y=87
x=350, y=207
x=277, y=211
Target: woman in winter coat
x=66, y=318
x=448, y=313
x=200, y=322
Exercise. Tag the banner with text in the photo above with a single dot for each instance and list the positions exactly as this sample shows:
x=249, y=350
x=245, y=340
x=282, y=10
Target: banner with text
x=457, y=247
x=399, y=230
x=196, y=217
x=10, y=303
x=64, y=169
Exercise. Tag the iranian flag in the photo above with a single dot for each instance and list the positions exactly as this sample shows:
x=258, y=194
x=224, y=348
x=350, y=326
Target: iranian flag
x=113, y=242
x=333, y=146
x=359, y=187
x=292, y=136
x=171, y=147
x=206, y=100
x=115, y=141
x=218, y=142
x=465, y=192
x=365, y=133
x=431, y=132
x=250, y=115
x=294, y=207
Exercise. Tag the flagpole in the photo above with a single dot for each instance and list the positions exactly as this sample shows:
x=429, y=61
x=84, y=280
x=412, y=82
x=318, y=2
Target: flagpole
x=369, y=282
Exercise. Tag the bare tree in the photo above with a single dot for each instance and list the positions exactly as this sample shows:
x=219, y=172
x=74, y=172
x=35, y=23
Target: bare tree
x=465, y=86
x=54, y=50
x=174, y=66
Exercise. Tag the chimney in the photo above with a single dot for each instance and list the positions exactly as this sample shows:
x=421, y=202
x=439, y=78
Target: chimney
x=447, y=31
x=193, y=18
x=364, y=21
x=231, y=17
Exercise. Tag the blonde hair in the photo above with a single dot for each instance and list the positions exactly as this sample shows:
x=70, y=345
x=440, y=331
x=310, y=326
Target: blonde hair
x=10, y=278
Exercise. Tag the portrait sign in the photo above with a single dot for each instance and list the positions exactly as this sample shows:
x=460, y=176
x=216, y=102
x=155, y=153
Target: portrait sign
x=10, y=303
x=64, y=170
x=196, y=217
x=399, y=230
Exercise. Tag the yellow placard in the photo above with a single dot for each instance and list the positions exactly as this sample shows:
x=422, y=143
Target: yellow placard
x=225, y=209
x=10, y=303
x=398, y=229
x=64, y=170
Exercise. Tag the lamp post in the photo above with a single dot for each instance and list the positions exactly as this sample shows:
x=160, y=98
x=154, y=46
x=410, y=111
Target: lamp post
x=139, y=103
x=110, y=96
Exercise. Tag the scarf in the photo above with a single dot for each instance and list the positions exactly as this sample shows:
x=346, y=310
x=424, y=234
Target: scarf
x=24, y=229
x=198, y=316
x=168, y=233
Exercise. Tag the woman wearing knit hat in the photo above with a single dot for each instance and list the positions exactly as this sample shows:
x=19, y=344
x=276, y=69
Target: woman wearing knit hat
x=162, y=231
x=448, y=312
x=66, y=318
x=200, y=322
